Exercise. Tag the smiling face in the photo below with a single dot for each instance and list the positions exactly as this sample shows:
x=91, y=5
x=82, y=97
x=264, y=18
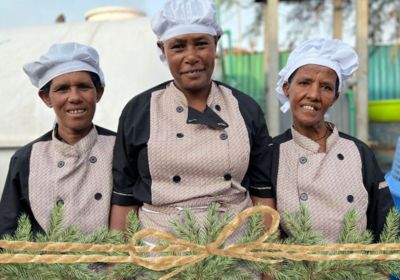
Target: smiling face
x=73, y=97
x=191, y=59
x=311, y=90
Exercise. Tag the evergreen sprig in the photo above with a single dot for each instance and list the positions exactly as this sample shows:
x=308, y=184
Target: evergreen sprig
x=189, y=228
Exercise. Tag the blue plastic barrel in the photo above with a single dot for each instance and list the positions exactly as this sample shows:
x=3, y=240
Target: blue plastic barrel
x=393, y=180
x=393, y=177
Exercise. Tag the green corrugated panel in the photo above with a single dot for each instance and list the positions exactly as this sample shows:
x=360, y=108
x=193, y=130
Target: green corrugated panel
x=248, y=73
x=384, y=72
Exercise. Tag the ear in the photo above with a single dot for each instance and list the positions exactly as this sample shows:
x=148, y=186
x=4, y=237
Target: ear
x=160, y=45
x=334, y=100
x=45, y=97
x=99, y=94
x=217, y=40
x=285, y=88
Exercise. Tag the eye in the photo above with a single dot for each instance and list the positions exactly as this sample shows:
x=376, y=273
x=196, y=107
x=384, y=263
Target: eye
x=177, y=46
x=303, y=82
x=60, y=89
x=85, y=86
x=327, y=87
x=202, y=43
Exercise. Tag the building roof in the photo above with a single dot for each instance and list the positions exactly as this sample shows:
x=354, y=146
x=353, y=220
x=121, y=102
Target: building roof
x=128, y=57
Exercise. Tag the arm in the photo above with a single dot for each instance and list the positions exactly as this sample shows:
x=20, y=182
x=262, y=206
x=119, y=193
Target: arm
x=380, y=199
x=125, y=175
x=11, y=201
x=268, y=202
x=118, y=216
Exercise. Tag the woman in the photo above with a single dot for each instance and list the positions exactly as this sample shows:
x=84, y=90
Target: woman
x=192, y=141
x=313, y=163
x=71, y=164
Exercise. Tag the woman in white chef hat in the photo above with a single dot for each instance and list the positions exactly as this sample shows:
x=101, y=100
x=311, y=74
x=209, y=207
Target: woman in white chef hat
x=70, y=164
x=191, y=141
x=313, y=163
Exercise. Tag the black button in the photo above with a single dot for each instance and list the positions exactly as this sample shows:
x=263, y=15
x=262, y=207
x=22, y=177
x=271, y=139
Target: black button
x=98, y=196
x=223, y=136
x=304, y=196
x=92, y=159
x=60, y=164
x=302, y=160
x=340, y=156
x=176, y=179
x=217, y=107
x=350, y=198
x=227, y=177
x=179, y=109
x=60, y=202
x=179, y=135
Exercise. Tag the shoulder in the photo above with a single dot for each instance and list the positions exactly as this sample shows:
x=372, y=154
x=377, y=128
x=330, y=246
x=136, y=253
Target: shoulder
x=361, y=146
x=142, y=100
x=23, y=153
x=244, y=99
x=104, y=131
x=282, y=138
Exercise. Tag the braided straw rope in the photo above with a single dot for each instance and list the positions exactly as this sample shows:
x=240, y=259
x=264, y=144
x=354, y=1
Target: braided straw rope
x=257, y=251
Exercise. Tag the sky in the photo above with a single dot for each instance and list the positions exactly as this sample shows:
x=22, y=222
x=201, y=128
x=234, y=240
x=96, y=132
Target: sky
x=19, y=13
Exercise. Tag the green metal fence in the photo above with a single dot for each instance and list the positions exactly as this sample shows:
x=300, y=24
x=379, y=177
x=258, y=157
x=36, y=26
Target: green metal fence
x=247, y=73
x=384, y=72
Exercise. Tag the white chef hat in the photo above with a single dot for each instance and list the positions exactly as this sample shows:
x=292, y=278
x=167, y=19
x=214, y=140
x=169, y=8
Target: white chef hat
x=331, y=53
x=62, y=59
x=179, y=17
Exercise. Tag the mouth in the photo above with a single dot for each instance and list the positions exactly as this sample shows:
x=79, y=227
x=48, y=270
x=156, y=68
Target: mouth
x=309, y=107
x=193, y=71
x=76, y=112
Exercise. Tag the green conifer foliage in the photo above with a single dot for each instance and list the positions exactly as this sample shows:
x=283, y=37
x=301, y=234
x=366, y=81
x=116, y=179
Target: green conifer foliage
x=213, y=267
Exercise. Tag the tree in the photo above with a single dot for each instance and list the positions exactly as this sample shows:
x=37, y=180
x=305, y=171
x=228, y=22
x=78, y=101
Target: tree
x=308, y=16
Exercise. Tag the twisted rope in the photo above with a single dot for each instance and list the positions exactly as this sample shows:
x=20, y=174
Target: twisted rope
x=256, y=251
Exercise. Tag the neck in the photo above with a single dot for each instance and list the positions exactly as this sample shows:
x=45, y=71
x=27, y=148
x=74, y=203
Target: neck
x=197, y=99
x=313, y=132
x=71, y=136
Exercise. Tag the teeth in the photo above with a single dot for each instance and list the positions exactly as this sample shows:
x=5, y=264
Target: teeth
x=77, y=111
x=308, y=107
x=194, y=71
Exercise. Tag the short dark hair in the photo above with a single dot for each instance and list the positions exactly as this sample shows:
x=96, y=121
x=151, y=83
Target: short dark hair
x=93, y=76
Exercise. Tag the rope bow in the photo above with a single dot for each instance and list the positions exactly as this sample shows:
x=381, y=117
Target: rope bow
x=256, y=251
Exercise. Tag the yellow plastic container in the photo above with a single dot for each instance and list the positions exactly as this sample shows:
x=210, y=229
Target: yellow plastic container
x=384, y=110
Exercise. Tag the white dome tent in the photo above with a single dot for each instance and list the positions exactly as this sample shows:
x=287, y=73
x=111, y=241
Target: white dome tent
x=128, y=57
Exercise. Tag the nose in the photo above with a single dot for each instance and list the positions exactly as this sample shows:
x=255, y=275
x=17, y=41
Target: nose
x=191, y=56
x=74, y=95
x=313, y=92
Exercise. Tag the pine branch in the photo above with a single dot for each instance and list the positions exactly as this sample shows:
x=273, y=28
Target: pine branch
x=24, y=229
x=299, y=228
x=391, y=230
x=213, y=224
x=56, y=223
x=188, y=229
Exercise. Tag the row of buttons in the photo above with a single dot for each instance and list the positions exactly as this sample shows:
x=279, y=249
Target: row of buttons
x=303, y=160
x=61, y=163
x=304, y=197
x=177, y=178
x=180, y=109
x=222, y=136
x=97, y=196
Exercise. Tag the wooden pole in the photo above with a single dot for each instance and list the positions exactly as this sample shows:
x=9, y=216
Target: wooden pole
x=337, y=19
x=362, y=73
x=271, y=65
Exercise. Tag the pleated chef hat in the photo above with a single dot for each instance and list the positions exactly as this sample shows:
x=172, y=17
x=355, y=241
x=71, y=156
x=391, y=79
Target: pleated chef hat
x=62, y=59
x=179, y=17
x=331, y=53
